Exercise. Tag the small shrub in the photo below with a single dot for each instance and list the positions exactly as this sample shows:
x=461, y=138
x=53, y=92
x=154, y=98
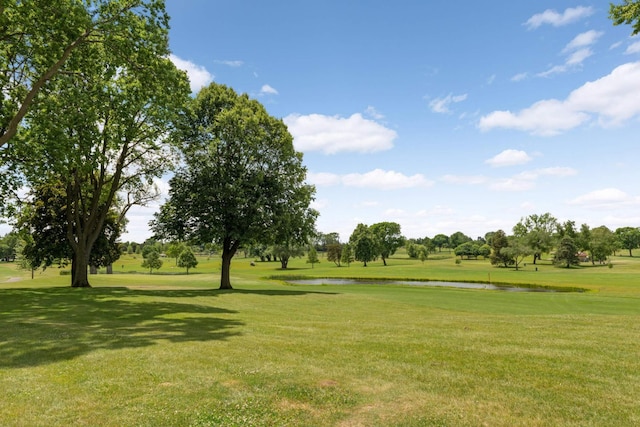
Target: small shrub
x=458, y=261
x=610, y=264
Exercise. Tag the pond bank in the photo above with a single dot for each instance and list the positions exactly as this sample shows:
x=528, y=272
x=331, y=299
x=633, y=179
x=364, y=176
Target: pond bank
x=461, y=285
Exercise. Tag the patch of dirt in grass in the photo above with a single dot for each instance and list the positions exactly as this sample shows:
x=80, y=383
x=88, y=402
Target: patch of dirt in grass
x=328, y=383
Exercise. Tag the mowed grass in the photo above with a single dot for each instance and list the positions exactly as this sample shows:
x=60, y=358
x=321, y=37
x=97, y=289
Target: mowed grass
x=169, y=349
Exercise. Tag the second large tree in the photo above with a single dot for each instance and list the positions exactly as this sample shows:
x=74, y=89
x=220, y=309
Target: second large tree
x=241, y=179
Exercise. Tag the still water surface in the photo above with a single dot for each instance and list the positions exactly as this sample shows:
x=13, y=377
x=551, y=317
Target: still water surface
x=416, y=283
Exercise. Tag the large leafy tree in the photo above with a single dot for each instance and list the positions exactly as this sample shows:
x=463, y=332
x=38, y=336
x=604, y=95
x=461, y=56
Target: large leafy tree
x=603, y=243
x=38, y=38
x=629, y=238
x=567, y=253
x=101, y=128
x=499, y=240
x=389, y=238
x=334, y=253
x=242, y=179
x=537, y=230
x=440, y=241
x=458, y=238
x=44, y=229
x=517, y=250
x=364, y=243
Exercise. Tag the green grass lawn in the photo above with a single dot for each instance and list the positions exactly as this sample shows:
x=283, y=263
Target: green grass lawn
x=169, y=349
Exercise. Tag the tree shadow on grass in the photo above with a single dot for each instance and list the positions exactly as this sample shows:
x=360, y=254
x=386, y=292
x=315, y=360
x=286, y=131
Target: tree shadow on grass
x=46, y=325
x=40, y=326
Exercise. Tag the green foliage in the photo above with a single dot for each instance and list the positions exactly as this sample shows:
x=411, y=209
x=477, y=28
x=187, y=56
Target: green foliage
x=44, y=226
x=45, y=45
x=537, y=232
x=440, y=241
x=334, y=253
x=364, y=244
x=626, y=13
x=346, y=255
x=175, y=249
x=187, y=259
x=499, y=240
x=629, y=238
x=242, y=181
x=567, y=253
x=388, y=237
x=152, y=261
x=457, y=239
x=100, y=127
x=312, y=256
x=517, y=250
x=285, y=252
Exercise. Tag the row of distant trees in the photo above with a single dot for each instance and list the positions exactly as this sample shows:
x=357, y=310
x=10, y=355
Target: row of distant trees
x=532, y=236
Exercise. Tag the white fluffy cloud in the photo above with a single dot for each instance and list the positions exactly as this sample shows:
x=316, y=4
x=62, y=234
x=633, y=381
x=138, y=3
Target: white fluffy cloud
x=198, y=75
x=334, y=134
x=377, y=178
x=441, y=105
x=509, y=158
x=612, y=99
x=557, y=19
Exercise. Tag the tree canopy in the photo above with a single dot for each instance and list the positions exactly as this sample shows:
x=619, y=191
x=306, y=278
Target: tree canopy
x=364, y=244
x=242, y=181
x=626, y=13
x=388, y=237
x=43, y=40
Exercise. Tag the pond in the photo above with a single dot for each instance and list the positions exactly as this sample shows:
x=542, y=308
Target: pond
x=463, y=285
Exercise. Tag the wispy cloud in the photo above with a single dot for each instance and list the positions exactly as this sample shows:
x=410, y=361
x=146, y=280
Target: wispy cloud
x=576, y=51
x=612, y=100
x=509, y=158
x=373, y=113
x=519, y=77
x=633, y=48
x=441, y=105
x=198, y=75
x=378, y=179
x=520, y=182
x=334, y=134
x=268, y=90
x=229, y=63
x=556, y=19
x=607, y=198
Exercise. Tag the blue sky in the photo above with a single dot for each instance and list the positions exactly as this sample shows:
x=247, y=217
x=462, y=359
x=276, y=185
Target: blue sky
x=441, y=116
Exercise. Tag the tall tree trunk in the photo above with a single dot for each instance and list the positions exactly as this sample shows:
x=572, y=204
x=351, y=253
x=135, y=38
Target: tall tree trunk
x=284, y=262
x=225, y=278
x=110, y=269
x=384, y=261
x=79, y=264
x=229, y=248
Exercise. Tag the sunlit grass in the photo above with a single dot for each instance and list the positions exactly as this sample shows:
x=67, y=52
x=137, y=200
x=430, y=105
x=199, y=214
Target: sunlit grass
x=169, y=349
